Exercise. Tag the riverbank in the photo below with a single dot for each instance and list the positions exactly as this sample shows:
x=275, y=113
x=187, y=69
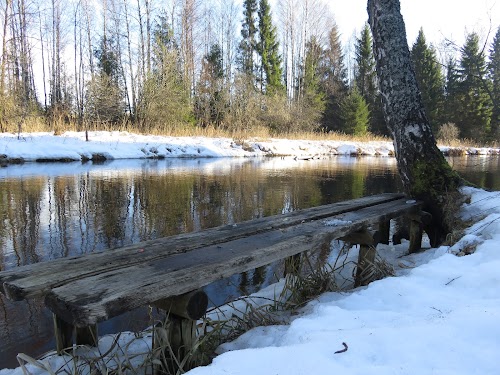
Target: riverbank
x=438, y=315
x=103, y=145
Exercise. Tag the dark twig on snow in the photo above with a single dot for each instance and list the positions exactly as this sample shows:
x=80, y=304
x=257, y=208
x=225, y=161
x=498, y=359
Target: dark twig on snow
x=452, y=280
x=342, y=350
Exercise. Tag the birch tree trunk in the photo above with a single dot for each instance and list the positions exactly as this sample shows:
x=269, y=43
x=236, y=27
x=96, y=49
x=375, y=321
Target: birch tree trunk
x=425, y=173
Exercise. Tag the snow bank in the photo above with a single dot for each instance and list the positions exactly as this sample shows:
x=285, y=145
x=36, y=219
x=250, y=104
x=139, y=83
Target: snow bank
x=438, y=318
x=124, y=145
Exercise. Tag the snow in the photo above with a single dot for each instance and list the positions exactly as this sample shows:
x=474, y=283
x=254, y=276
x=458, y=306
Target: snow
x=124, y=145
x=439, y=314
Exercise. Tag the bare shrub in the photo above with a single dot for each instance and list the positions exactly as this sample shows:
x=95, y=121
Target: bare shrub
x=448, y=133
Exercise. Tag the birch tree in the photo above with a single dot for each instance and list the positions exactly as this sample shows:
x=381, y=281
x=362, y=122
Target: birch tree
x=3, y=66
x=424, y=171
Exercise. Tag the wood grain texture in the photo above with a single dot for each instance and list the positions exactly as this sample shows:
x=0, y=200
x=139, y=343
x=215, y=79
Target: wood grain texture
x=38, y=279
x=90, y=299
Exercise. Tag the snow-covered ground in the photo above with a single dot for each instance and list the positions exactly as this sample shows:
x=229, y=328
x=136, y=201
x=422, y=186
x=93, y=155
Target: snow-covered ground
x=123, y=145
x=440, y=314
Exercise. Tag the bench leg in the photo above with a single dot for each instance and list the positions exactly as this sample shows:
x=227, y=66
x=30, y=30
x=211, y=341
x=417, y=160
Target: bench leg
x=383, y=230
x=366, y=260
x=175, y=340
x=63, y=334
x=174, y=344
x=87, y=335
x=416, y=233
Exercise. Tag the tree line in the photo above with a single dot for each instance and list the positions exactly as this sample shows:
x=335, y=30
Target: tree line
x=151, y=66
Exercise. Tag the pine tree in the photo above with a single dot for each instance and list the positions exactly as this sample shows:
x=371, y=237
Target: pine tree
x=365, y=78
x=429, y=79
x=494, y=68
x=475, y=108
x=333, y=81
x=268, y=49
x=249, y=38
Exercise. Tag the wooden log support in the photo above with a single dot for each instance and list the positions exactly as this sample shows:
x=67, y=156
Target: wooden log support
x=63, y=333
x=174, y=340
x=87, y=335
x=366, y=264
x=361, y=237
x=384, y=227
x=367, y=242
x=174, y=345
x=192, y=305
x=417, y=223
x=416, y=233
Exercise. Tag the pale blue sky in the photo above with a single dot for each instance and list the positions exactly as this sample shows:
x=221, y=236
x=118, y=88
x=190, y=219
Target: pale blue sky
x=440, y=19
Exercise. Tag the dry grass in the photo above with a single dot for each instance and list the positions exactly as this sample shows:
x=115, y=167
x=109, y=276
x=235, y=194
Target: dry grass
x=464, y=143
x=39, y=124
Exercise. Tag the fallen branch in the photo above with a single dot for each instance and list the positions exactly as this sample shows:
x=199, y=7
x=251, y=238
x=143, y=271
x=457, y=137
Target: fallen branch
x=342, y=350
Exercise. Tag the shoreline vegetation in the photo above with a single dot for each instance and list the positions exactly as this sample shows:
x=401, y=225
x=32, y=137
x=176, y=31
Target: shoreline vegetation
x=72, y=146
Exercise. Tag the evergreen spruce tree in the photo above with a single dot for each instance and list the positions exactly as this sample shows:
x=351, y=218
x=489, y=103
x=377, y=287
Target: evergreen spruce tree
x=355, y=113
x=268, y=49
x=313, y=95
x=105, y=94
x=164, y=98
x=494, y=67
x=210, y=101
x=429, y=79
x=333, y=75
x=452, y=93
x=249, y=38
x=476, y=107
x=365, y=78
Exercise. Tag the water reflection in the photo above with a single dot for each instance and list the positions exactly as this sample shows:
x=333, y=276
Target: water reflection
x=52, y=211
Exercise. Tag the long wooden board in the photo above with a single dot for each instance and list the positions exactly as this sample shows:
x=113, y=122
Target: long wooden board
x=38, y=279
x=95, y=298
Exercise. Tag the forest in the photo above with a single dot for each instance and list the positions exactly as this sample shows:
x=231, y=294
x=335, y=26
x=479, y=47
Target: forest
x=182, y=66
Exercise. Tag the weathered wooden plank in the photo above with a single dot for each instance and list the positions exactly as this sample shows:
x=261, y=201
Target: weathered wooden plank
x=99, y=297
x=37, y=279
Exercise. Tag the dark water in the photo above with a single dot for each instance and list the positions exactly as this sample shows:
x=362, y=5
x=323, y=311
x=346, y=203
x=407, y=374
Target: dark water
x=52, y=210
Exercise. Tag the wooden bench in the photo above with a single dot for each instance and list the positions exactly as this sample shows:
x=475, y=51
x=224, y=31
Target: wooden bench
x=168, y=272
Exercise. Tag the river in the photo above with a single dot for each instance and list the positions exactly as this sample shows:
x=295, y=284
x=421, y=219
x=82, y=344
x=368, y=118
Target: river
x=50, y=211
